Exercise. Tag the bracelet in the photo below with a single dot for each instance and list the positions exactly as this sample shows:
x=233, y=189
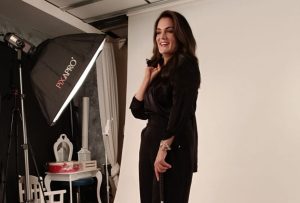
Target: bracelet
x=164, y=146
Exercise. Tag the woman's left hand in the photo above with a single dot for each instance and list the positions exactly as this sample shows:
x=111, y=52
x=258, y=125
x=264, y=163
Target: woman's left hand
x=160, y=165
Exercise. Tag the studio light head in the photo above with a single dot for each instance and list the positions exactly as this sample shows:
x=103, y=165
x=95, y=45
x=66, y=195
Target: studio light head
x=16, y=42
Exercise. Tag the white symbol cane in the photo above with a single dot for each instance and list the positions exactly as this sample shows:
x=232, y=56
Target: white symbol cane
x=161, y=187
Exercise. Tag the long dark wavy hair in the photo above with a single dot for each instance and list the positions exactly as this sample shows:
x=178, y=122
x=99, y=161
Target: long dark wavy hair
x=186, y=43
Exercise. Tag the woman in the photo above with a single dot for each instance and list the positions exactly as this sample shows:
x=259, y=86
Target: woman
x=167, y=98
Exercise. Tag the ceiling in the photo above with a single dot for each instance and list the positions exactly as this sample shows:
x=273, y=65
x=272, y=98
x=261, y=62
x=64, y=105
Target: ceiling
x=106, y=15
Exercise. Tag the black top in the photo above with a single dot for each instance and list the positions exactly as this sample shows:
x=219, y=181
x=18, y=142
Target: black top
x=173, y=100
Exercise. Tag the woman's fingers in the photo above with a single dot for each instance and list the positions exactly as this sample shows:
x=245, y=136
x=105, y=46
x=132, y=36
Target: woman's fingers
x=161, y=166
x=160, y=169
x=165, y=165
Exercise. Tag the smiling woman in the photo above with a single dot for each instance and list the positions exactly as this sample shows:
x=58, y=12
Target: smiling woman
x=167, y=99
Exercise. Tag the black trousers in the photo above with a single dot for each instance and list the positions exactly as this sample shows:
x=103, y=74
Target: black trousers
x=177, y=180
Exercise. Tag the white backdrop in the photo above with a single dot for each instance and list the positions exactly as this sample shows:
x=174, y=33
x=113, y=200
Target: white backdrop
x=248, y=107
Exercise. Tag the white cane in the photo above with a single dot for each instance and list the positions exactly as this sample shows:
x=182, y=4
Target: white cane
x=161, y=187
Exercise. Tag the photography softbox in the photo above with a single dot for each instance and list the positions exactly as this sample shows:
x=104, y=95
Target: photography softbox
x=61, y=66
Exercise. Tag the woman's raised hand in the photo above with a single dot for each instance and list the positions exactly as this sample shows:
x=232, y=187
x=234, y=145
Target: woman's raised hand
x=151, y=72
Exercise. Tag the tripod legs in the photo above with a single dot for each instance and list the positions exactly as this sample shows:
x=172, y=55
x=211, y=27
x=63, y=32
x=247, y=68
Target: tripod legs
x=13, y=133
x=13, y=137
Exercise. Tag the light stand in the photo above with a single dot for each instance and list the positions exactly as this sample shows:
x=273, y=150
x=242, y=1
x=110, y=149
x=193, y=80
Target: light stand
x=20, y=46
x=25, y=141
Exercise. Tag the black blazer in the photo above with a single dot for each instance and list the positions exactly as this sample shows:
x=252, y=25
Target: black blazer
x=172, y=100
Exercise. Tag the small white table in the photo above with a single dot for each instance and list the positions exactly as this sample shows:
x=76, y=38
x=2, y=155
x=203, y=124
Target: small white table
x=71, y=176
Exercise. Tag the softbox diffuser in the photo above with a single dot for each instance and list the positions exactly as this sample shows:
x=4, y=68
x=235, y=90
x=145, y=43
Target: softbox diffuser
x=61, y=66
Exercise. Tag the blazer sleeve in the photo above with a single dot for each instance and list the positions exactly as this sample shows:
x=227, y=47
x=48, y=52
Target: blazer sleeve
x=185, y=83
x=137, y=109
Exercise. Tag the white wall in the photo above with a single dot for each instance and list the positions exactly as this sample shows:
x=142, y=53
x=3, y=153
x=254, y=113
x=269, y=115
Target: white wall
x=248, y=107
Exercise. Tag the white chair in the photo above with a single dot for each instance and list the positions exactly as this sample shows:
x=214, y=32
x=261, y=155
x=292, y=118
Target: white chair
x=36, y=194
